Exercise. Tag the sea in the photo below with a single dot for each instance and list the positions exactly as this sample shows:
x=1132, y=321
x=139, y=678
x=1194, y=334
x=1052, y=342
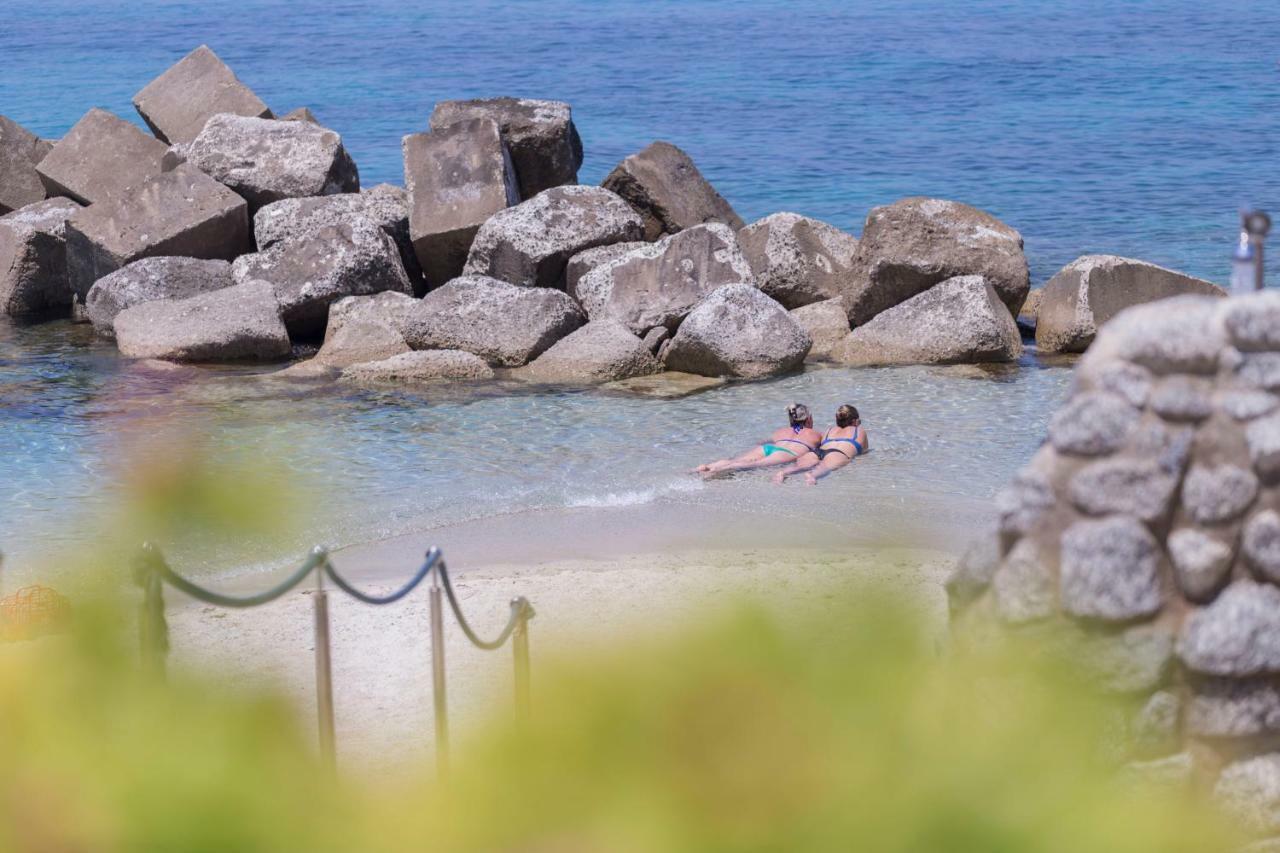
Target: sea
x=1138, y=128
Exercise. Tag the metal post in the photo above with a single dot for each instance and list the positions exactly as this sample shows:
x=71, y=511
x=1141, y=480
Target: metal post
x=438, y=678
x=324, y=673
x=520, y=649
x=1257, y=224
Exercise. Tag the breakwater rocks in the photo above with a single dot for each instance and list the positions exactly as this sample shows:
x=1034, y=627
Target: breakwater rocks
x=491, y=249
x=1147, y=529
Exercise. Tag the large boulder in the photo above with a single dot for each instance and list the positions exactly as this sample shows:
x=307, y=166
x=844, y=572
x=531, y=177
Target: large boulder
x=911, y=245
x=667, y=190
x=1091, y=290
x=544, y=144
x=20, y=151
x=421, y=366
x=458, y=176
x=385, y=204
x=182, y=212
x=529, y=244
x=100, y=156
x=310, y=272
x=960, y=320
x=589, y=259
x=601, y=351
x=236, y=323
x=659, y=283
x=505, y=324
x=33, y=258
x=366, y=328
x=199, y=86
x=797, y=260
x=148, y=280
x=827, y=325
x=266, y=160
x=738, y=331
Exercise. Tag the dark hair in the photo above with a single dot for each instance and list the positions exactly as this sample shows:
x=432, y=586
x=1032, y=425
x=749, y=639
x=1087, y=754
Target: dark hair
x=798, y=413
x=846, y=415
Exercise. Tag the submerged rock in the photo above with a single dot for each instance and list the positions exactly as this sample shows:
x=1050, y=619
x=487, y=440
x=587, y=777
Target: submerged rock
x=199, y=86
x=600, y=351
x=544, y=144
x=266, y=160
x=911, y=245
x=148, y=280
x=20, y=151
x=101, y=156
x=960, y=320
x=236, y=323
x=667, y=190
x=422, y=366
x=33, y=259
x=1091, y=290
x=738, y=331
x=796, y=260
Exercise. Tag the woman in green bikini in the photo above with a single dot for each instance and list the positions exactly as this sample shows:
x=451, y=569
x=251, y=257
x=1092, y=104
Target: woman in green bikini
x=784, y=445
x=840, y=445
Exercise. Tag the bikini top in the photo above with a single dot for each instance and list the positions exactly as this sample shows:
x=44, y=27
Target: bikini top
x=826, y=438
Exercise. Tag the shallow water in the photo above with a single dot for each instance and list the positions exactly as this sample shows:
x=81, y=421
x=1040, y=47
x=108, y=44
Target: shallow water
x=383, y=462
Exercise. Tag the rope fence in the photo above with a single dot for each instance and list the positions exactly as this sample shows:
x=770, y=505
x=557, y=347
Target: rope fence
x=152, y=572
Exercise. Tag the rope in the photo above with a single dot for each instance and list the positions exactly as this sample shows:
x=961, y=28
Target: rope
x=433, y=557
x=318, y=557
x=518, y=608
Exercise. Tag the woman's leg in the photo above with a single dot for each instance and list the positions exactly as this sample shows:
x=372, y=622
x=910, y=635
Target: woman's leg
x=804, y=463
x=833, y=462
x=724, y=464
x=777, y=457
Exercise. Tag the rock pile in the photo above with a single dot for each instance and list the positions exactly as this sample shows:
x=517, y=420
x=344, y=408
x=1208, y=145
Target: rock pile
x=1148, y=525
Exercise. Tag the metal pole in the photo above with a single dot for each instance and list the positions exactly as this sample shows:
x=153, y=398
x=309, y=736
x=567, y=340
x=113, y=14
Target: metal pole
x=438, y=678
x=1257, y=224
x=324, y=673
x=520, y=649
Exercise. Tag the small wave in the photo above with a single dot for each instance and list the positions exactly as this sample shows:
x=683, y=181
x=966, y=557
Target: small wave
x=634, y=497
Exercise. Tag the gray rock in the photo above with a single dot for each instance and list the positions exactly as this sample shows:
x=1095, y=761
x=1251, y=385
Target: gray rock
x=177, y=104
x=1229, y=707
x=1021, y=503
x=667, y=190
x=827, y=324
x=544, y=144
x=1142, y=488
x=1247, y=405
x=101, y=156
x=973, y=573
x=1094, y=423
x=423, y=366
x=1091, y=290
x=589, y=259
x=911, y=245
x=1213, y=494
x=1173, y=772
x=1236, y=635
x=241, y=322
x=181, y=213
x=659, y=283
x=1260, y=544
x=1259, y=370
x=1024, y=586
x=1123, y=379
x=385, y=205
x=366, y=328
x=1110, y=570
x=655, y=338
x=1169, y=446
x=1183, y=398
x=1201, y=562
x=309, y=273
x=1253, y=322
x=960, y=320
x=600, y=351
x=1135, y=660
x=1182, y=334
x=670, y=385
x=503, y=323
x=33, y=258
x=1027, y=313
x=738, y=331
x=1263, y=437
x=150, y=279
x=300, y=114
x=266, y=160
x=458, y=177
x=1154, y=729
x=1249, y=791
x=20, y=151
x=529, y=244
x=796, y=260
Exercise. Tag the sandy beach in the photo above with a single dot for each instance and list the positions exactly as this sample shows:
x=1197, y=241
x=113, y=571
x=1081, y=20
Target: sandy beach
x=381, y=658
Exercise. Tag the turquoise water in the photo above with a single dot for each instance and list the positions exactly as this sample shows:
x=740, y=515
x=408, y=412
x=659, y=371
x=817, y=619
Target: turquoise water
x=1136, y=128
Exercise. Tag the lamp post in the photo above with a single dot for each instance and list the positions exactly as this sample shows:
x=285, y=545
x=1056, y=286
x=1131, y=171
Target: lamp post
x=1247, y=271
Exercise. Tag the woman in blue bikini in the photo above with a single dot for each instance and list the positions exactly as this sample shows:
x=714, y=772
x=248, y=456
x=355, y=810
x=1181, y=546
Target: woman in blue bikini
x=840, y=445
x=784, y=445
